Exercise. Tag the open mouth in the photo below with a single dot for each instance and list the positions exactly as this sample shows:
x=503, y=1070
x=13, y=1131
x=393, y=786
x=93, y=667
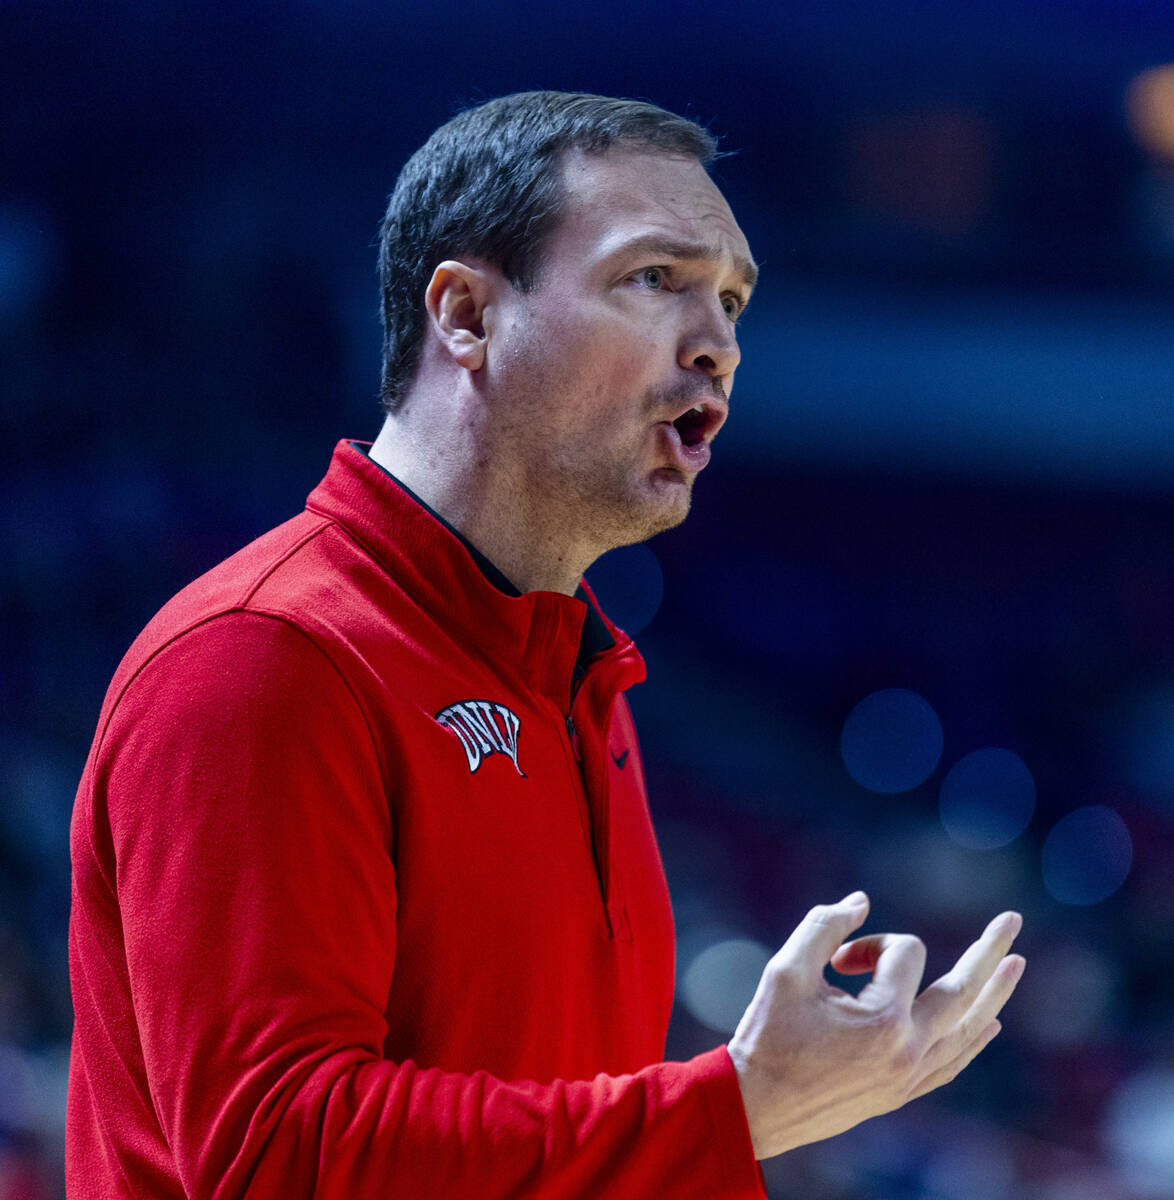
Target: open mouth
x=691, y=426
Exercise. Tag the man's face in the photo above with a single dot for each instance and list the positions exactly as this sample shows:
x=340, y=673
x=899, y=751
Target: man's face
x=597, y=371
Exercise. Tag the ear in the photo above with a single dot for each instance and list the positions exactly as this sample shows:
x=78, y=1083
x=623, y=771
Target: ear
x=457, y=297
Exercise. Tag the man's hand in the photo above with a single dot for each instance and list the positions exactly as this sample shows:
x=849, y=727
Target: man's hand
x=813, y=1061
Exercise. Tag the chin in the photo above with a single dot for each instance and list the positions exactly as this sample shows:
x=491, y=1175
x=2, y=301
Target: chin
x=667, y=506
x=631, y=514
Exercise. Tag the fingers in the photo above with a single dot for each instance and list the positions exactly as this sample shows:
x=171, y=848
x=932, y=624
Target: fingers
x=981, y=1015
x=946, y=1001
x=861, y=956
x=825, y=927
x=995, y=993
x=897, y=963
x=947, y=1071
x=975, y=1031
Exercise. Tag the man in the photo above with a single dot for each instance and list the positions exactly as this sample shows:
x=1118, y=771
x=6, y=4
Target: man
x=366, y=897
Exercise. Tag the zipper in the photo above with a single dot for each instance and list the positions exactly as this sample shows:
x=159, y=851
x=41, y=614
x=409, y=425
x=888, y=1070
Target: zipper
x=614, y=915
x=596, y=846
x=573, y=734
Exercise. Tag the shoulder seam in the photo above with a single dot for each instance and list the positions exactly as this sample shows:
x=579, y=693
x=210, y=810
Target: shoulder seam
x=240, y=606
x=270, y=567
x=251, y=612
x=353, y=536
x=346, y=683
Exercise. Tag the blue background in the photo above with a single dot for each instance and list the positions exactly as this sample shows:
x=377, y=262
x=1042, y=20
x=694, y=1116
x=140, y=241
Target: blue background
x=949, y=471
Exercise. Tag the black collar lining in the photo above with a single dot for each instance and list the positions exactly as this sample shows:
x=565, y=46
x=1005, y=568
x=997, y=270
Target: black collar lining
x=595, y=637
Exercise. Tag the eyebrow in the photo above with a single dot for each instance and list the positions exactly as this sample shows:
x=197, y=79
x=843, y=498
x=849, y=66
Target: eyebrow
x=672, y=248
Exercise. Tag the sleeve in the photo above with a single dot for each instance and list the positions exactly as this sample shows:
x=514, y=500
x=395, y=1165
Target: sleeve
x=255, y=877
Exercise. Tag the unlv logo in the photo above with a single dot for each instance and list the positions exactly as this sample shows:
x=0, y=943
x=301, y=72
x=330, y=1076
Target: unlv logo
x=484, y=727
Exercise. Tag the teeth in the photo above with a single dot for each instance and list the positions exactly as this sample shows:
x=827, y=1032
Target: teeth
x=696, y=408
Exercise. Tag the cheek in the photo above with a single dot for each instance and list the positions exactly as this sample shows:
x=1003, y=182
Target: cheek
x=625, y=356
x=596, y=361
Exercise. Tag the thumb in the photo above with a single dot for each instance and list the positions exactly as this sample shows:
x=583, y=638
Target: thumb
x=822, y=931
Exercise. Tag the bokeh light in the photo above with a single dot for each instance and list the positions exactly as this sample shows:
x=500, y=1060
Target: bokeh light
x=1069, y=996
x=976, y=1164
x=1087, y=856
x=28, y=250
x=720, y=982
x=1149, y=105
x=914, y=866
x=950, y=468
x=987, y=799
x=1139, y=1128
x=629, y=586
x=891, y=741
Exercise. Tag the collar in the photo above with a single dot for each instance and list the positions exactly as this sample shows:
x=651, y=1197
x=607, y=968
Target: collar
x=546, y=633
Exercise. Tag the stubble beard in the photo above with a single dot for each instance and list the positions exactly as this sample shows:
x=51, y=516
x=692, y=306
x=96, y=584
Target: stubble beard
x=605, y=500
x=622, y=509
x=616, y=499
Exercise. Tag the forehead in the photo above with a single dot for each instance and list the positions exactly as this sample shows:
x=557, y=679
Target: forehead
x=625, y=195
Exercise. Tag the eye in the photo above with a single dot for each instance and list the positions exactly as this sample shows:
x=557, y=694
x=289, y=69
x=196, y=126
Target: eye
x=733, y=307
x=652, y=277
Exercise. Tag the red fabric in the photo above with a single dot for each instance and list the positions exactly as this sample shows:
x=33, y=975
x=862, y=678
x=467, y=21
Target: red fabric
x=315, y=953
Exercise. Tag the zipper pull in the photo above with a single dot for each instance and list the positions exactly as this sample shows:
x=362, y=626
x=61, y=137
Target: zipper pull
x=573, y=733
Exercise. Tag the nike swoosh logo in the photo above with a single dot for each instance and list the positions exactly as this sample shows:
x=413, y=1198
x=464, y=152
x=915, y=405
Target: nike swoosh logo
x=621, y=760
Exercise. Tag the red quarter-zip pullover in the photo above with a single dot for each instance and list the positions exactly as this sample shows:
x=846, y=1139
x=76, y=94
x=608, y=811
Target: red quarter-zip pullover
x=353, y=916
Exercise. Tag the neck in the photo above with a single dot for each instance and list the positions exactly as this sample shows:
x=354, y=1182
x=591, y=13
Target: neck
x=454, y=468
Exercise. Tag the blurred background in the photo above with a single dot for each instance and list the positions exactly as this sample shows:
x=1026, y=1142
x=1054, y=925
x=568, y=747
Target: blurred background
x=917, y=636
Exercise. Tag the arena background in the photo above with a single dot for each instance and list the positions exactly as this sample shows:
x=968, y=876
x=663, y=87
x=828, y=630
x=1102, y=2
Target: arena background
x=918, y=635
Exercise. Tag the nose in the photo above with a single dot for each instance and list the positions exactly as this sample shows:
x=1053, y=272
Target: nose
x=711, y=346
